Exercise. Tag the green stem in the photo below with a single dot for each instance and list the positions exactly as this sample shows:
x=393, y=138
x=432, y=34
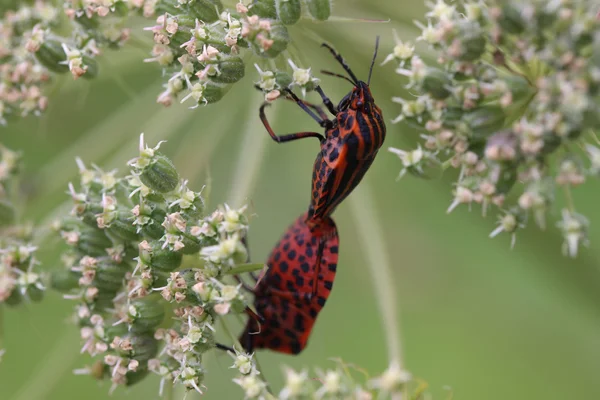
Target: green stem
x=1, y=326
x=569, y=198
x=168, y=391
x=372, y=241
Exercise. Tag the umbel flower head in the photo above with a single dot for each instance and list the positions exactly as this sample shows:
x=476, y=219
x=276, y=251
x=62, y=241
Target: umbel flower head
x=511, y=102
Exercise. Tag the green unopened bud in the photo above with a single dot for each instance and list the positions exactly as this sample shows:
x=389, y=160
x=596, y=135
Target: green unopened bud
x=93, y=242
x=279, y=38
x=263, y=8
x=34, y=293
x=319, y=9
x=205, y=10
x=146, y=314
x=484, y=121
x=283, y=79
x=288, y=11
x=14, y=299
x=437, y=83
x=7, y=213
x=91, y=67
x=158, y=258
x=214, y=91
x=506, y=179
x=122, y=228
x=160, y=175
x=109, y=276
x=153, y=228
x=191, y=244
x=143, y=347
x=51, y=55
x=171, y=7
x=510, y=20
x=133, y=377
x=64, y=280
x=230, y=70
x=472, y=41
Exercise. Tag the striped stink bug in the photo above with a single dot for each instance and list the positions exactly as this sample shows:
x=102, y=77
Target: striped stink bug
x=348, y=148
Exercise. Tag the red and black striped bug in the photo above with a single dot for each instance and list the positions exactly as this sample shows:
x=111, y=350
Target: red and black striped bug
x=348, y=148
x=286, y=306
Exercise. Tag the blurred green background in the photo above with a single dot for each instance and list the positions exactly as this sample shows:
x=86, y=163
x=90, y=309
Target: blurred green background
x=489, y=322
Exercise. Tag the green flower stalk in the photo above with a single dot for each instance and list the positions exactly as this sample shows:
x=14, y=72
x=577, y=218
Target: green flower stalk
x=510, y=102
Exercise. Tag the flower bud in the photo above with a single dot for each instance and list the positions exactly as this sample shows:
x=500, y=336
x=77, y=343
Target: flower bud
x=171, y=7
x=161, y=259
x=230, y=70
x=7, y=213
x=283, y=79
x=122, y=228
x=160, y=175
x=146, y=314
x=280, y=39
x=263, y=8
x=152, y=228
x=510, y=20
x=205, y=10
x=471, y=41
x=143, y=347
x=109, y=276
x=214, y=91
x=319, y=9
x=484, y=121
x=436, y=82
x=51, y=55
x=92, y=242
x=288, y=11
x=64, y=280
x=191, y=244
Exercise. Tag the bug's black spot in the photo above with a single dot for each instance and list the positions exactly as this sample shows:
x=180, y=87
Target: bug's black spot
x=286, y=236
x=292, y=255
x=296, y=347
x=290, y=333
x=290, y=286
x=275, y=342
x=305, y=267
x=299, y=281
x=333, y=249
x=277, y=256
x=313, y=313
x=295, y=272
x=309, y=252
x=275, y=279
x=301, y=258
x=286, y=246
x=321, y=301
x=283, y=266
x=274, y=323
x=299, y=323
x=332, y=267
x=328, y=285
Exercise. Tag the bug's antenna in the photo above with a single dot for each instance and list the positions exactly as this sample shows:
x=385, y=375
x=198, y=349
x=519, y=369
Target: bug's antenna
x=339, y=59
x=373, y=61
x=337, y=75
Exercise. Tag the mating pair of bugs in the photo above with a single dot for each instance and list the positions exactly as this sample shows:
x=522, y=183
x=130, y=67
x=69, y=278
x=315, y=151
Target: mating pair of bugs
x=302, y=266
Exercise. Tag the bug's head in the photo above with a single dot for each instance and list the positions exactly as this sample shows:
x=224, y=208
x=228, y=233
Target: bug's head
x=360, y=97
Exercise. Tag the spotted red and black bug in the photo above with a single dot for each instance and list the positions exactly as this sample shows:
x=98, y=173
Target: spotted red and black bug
x=284, y=298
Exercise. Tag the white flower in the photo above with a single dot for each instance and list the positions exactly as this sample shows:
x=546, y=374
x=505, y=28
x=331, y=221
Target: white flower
x=392, y=380
x=296, y=384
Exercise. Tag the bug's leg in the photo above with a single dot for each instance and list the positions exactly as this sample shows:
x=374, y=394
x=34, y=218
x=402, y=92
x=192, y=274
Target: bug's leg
x=315, y=107
x=223, y=347
x=326, y=101
x=323, y=122
x=254, y=315
x=289, y=137
x=318, y=265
